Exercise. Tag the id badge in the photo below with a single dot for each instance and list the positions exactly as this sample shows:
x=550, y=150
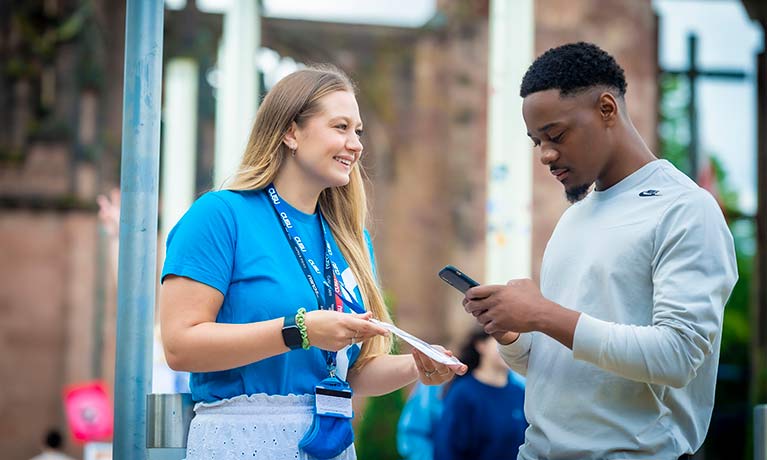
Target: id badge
x=333, y=397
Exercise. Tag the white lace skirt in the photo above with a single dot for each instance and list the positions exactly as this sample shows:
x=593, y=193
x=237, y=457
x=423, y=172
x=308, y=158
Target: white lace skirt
x=258, y=426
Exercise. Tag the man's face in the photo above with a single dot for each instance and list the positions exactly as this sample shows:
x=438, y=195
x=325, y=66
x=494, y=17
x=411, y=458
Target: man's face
x=571, y=136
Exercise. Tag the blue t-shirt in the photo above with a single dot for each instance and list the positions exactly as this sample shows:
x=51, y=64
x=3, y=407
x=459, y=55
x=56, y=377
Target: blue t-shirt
x=481, y=422
x=234, y=242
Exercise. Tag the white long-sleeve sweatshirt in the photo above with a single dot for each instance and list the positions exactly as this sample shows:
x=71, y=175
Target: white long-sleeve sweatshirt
x=650, y=263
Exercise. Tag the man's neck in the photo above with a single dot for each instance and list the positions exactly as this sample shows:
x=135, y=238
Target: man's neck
x=630, y=155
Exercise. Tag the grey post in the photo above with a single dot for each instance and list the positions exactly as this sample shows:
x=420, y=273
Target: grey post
x=139, y=182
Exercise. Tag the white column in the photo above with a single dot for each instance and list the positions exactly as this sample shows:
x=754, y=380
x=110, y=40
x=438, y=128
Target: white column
x=509, y=156
x=179, y=143
x=237, y=92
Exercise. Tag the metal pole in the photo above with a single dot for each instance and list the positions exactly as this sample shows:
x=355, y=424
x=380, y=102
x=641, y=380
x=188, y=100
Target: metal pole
x=759, y=307
x=692, y=107
x=137, y=268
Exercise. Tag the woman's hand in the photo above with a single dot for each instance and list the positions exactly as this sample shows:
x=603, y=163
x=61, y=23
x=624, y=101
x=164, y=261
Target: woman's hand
x=332, y=330
x=431, y=372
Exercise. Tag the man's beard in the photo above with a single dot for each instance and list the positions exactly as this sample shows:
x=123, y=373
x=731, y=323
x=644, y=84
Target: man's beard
x=576, y=194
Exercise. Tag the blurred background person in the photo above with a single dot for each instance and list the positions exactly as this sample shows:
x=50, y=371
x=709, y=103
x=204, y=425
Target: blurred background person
x=52, y=447
x=415, y=428
x=482, y=413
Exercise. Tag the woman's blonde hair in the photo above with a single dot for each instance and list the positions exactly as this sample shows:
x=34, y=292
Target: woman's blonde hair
x=296, y=98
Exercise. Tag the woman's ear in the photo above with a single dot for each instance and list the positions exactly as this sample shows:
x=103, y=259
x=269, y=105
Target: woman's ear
x=289, y=139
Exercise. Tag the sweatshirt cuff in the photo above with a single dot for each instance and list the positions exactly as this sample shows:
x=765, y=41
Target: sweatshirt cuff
x=590, y=334
x=517, y=348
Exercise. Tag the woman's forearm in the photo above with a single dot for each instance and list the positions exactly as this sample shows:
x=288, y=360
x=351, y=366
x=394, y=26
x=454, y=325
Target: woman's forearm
x=383, y=374
x=195, y=342
x=209, y=346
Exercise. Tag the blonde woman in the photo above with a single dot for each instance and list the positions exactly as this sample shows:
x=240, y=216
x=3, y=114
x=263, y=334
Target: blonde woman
x=269, y=287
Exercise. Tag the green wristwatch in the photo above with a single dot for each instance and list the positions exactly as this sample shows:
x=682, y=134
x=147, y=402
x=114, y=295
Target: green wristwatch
x=291, y=335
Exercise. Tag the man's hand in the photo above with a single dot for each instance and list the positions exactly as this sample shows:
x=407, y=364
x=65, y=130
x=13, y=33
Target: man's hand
x=513, y=307
x=519, y=306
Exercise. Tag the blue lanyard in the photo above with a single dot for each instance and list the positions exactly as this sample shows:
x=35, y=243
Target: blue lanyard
x=331, y=273
x=349, y=300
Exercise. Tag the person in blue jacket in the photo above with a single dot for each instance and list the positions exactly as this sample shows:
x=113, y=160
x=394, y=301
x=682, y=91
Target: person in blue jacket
x=483, y=411
x=415, y=428
x=268, y=290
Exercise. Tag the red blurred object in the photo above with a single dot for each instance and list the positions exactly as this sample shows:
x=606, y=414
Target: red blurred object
x=707, y=180
x=89, y=411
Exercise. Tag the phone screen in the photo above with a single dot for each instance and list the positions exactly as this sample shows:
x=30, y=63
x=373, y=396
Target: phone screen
x=457, y=278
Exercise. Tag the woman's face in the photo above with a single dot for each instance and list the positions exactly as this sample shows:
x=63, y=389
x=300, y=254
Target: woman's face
x=328, y=144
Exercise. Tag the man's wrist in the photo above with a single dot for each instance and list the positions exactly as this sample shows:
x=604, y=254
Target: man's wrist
x=557, y=322
x=506, y=338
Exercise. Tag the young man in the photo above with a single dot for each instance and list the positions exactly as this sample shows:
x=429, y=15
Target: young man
x=620, y=345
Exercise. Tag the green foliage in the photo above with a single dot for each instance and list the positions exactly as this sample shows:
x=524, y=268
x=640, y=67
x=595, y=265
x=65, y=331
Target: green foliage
x=727, y=436
x=672, y=129
x=737, y=329
x=674, y=141
x=11, y=157
x=377, y=431
x=49, y=129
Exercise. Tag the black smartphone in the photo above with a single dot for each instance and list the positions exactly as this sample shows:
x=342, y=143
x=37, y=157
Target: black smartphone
x=457, y=278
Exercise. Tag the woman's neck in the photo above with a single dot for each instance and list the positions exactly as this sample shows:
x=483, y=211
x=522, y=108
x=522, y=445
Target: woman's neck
x=299, y=193
x=492, y=376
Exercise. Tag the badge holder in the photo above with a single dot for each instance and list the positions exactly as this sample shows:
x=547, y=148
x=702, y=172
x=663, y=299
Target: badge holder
x=331, y=432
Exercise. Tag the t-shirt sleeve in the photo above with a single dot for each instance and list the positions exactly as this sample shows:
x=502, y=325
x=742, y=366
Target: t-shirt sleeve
x=201, y=245
x=693, y=273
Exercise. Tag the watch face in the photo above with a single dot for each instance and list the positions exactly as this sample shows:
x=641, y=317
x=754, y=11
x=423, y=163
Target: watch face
x=292, y=337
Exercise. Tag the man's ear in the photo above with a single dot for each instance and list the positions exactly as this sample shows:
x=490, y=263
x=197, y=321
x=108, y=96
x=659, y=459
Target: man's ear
x=289, y=139
x=608, y=108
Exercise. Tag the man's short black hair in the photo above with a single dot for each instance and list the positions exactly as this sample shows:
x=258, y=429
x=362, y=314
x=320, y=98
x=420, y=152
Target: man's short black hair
x=572, y=68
